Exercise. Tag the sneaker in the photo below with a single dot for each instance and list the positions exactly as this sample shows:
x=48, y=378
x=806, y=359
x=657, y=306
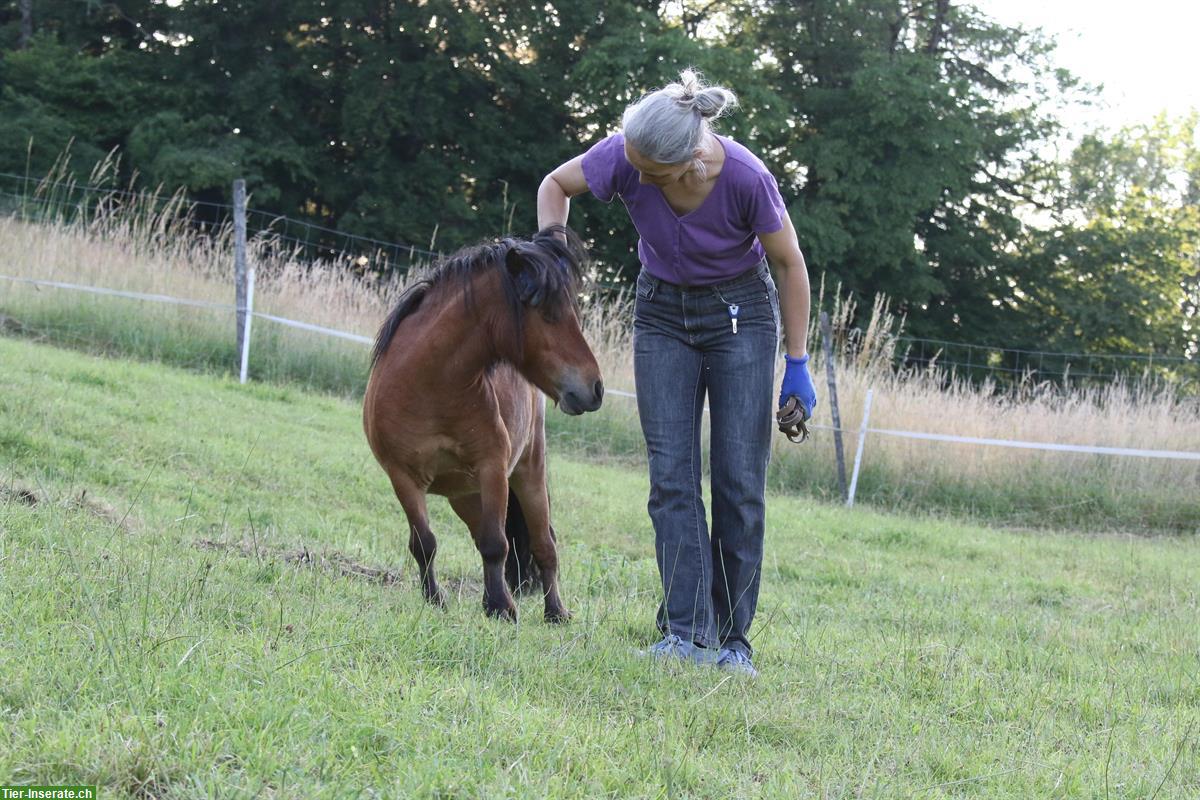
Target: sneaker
x=672, y=647
x=732, y=660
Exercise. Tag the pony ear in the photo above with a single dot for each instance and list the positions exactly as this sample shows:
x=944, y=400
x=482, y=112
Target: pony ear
x=522, y=274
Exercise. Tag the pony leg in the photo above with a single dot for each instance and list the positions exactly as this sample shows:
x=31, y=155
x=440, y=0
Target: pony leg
x=492, y=544
x=421, y=541
x=530, y=491
x=520, y=570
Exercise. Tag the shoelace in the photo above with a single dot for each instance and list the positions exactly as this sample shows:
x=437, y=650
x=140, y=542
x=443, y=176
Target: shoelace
x=738, y=659
x=667, y=645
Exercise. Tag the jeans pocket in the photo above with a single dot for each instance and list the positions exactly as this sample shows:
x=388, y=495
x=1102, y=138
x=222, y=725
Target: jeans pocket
x=772, y=292
x=645, y=286
x=745, y=294
x=774, y=295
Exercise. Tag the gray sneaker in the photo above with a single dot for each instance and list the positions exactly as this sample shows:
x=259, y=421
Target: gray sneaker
x=673, y=648
x=732, y=660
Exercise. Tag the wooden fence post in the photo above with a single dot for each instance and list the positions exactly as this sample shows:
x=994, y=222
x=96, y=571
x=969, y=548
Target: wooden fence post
x=827, y=350
x=239, y=262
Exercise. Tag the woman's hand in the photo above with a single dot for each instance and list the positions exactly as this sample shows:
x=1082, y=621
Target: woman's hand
x=798, y=382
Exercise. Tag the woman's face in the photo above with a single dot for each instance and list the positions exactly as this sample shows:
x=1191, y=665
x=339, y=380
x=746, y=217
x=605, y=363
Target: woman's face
x=652, y=172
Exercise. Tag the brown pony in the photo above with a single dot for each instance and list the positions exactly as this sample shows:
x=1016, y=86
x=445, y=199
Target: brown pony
x=453, y=405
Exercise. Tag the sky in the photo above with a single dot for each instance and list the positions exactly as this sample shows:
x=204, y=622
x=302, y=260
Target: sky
x=1145, y=53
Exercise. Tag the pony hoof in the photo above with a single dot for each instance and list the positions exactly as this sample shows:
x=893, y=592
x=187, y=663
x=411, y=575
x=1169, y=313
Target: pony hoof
x=437, y=599
x=557, y=616
x=506, y=613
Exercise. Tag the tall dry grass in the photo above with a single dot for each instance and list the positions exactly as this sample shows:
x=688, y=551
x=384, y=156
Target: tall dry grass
x=1019, y=486
x=148, y=246
x=148, y=243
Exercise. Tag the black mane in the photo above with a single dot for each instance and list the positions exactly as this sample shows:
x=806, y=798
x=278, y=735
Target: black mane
x=544, y=272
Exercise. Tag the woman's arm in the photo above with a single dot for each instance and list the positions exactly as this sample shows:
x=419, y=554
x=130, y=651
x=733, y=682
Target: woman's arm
x=783, y=251
x=557, y=189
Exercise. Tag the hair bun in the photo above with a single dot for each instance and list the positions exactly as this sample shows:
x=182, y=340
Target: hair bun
x=708, y=101
x=712, y=102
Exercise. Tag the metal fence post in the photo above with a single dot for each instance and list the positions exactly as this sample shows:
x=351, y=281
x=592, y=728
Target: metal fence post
x=239, y=262
x=249, y=318
x=862, y=437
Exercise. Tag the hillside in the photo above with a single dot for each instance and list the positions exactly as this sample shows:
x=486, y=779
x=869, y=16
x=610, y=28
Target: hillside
x=206, y=591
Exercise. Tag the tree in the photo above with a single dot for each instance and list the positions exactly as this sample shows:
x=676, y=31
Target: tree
x=910, y=144
x=907, y=134
x=1119, y=268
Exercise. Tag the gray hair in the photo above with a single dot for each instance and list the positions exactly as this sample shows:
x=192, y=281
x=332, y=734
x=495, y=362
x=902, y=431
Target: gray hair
x=668, y=124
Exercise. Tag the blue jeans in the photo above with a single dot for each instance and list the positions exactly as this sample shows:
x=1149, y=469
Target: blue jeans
x=685, y=349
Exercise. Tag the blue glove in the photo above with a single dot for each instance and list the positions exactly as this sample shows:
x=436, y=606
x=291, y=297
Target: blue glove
x=797, y=381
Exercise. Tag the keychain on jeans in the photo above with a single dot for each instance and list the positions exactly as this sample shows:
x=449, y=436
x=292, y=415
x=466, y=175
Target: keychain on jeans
x=733, y=314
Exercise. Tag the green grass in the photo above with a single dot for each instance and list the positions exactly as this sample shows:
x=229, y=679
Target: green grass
x=901, y=656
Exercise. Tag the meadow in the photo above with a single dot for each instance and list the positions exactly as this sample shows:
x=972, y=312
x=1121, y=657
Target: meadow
x=205, y=592
x=144, y=245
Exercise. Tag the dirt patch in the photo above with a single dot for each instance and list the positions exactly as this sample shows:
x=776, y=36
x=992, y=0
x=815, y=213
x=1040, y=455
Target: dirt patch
x=81, y=501
x=97, y=507
x=10, y=325
x=18, y=494
x=333, y=562
x=330, y=561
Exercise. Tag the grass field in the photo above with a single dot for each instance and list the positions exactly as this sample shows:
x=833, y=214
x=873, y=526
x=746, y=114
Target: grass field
x=177, y=619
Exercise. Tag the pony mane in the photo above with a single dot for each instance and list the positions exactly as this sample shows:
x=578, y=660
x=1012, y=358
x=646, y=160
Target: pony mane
x=544, y=272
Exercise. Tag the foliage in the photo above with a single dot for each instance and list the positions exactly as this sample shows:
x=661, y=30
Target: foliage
x=1119, y=270
x=909, y=137
x=906, y=148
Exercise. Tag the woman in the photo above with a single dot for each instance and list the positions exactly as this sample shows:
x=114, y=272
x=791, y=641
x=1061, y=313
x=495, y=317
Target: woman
x=706, y=322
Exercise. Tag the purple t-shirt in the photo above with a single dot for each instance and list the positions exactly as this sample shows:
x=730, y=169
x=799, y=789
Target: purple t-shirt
x=715, y=242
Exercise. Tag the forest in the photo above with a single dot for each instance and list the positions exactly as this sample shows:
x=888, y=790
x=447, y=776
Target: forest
x=920, y=145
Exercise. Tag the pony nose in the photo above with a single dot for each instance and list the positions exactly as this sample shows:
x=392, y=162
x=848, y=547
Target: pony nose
x=581, y=397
